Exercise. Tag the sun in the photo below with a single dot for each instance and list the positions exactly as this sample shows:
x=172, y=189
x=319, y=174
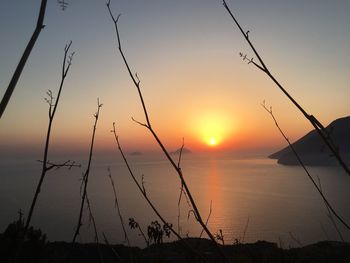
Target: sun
x=213, y=128
x=212, y=142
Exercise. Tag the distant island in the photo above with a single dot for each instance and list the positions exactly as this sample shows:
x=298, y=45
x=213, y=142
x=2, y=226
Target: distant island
x=184, y=151
x=312, y=149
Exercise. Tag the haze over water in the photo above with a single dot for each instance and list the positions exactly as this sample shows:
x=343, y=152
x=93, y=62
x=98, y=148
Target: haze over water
x=277, y=200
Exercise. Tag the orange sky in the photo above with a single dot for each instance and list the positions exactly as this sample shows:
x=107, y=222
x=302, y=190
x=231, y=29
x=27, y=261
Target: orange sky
x=194, y=83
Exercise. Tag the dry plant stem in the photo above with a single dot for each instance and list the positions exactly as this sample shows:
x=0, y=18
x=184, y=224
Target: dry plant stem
x=120, y=260
x=46, y=165
x=181, y=189
x=23, y=60
x=207, y=221
x=245, y=230
x=69, y=164
x=306, y=170
x=136, y=82
x=141, y=188
x=141, y=231
x=329, y=214
x=296, y=240
x=324, y=232
x=87, y=172
x=148, y=125
x=116, y=204
x=92, y=219
x=312, y=119
x=144, y=194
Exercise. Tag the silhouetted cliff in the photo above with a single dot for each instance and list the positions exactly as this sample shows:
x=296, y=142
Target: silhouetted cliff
x=312, y=149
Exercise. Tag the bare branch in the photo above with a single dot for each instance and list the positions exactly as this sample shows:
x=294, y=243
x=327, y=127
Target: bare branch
x=44, y=169
x=140, y=123
x=92, y=220
x=180, y=154
x=207, y=221
x=329, y=214
x=322, y=132
x=245, y=230
x=115, y=253
x=23, y=60
x=135, y=80
x=166, y=153
x=150, y=203
x=220, y=237
x=143, y=184
x=304, y=168
x=116, y=204
x=50, y=165
x=87, y=172
x=296, y=240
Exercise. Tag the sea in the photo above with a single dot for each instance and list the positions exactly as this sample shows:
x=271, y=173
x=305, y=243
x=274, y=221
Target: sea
x=242, y=199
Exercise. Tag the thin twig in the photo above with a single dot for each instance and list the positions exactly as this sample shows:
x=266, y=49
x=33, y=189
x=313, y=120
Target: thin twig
x=296, y=240
x=150, y=203
x=136, y=82
x=115, y=253
x=87, y=172
x=180, y=154
x=329, y=214
x=207, y=221
x=52, y=110
x=116, y=205
x=181, y=189
x=69, y=164
x=148, y=125
x=134, y=224
x=305, y=169
x=92, y=220
x=323, y=133
x=245, y=230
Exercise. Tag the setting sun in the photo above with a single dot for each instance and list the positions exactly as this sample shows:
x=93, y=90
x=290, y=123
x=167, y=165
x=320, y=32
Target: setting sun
x=212, y=141
x=214, y=129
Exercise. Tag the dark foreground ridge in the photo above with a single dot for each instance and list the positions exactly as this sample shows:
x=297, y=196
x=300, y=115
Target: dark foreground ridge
x=261, y=251
x=312, y=149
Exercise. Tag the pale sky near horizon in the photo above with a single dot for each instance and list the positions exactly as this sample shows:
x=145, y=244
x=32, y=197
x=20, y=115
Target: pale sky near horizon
x=192, y=78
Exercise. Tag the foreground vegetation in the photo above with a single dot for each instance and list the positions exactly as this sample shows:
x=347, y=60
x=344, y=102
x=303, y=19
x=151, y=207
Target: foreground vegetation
x=261, y=251
x=36, y=249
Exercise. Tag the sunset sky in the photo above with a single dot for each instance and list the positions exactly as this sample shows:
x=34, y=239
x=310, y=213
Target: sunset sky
x=186, y=53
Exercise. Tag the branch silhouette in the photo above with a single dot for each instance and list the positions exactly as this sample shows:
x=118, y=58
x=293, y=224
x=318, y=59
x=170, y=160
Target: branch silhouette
x=148, y=125
x=150, y=203
x=319, y=190
x=116, y=204
x=323, y=133
x=330, y=216
x=46, y=165
x=87, y=172
x=93, y=222
x=136, y=81
x=12, y=85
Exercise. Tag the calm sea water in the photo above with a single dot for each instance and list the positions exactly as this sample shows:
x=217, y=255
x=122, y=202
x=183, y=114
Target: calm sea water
x=272, y=202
